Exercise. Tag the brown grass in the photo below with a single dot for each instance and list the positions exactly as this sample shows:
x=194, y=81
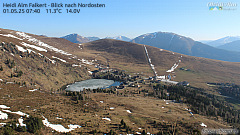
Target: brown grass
x=89, y=113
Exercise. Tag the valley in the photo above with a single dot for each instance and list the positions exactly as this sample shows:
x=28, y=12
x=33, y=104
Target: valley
x=35, y=71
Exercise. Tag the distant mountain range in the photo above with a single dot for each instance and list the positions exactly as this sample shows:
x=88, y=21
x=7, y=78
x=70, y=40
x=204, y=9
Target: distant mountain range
x=177, y=43
x=205, y=41
x=122, y=38
x=232, y=46
x=221, y=41
x=93, y=38
x=75, y=38
x=184, y=45
x=229, y=43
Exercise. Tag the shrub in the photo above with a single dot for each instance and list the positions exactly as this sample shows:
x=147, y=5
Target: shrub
x=34, y=124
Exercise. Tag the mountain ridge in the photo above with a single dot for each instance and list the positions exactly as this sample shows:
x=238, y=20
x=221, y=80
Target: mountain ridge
x=232, y=46
x=75, y=38
x=124, y=56
x=185, y=45
x=122, y=38
x=224, y=40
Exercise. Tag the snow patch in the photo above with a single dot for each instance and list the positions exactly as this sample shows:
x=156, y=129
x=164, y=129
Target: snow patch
x=71, y=126
x=108, y=119
x=128, y=111
x=3, y=124
x=172, y=68
x=89, y=72
x=10, y=35
x=33, y=90
x=4, y=107
x=40, y=43
x=59, y=118
x=21, y=113
x=59, y=59
x=85, y=61
x=168, y=81
x=3, y=116
x=75, y=65
x=40, y=54
x=203, y=125
x=18, y=113
x=58, y=127
x=34, y=47
x=161, y=77
x=150, y=62
x=21, y=48
x=7, y=111
x=52, y=61
x=20, y=120
x=171, y=39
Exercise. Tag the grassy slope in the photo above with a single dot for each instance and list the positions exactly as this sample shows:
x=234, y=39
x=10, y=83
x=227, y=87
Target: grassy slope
x=131, y=56
x=89, y=113
x=38, y=70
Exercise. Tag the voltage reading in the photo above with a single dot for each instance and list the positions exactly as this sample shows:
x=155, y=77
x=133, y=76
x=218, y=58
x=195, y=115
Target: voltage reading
x=73, y=10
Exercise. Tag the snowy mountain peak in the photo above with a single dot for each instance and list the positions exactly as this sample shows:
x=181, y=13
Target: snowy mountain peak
x=223, y=41
x=123, y=38
x=75, y=38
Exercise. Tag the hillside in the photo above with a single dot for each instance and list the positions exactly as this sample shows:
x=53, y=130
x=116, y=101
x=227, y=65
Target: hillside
x=131, y=57
x=36, y=70
x=232, y=46
x=40, y=64
x=93, y=115
x=184, y=45
x=120, y=55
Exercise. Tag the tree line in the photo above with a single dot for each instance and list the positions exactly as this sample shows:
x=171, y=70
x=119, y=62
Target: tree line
x=201, y=102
